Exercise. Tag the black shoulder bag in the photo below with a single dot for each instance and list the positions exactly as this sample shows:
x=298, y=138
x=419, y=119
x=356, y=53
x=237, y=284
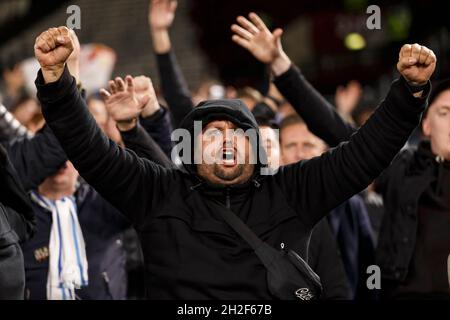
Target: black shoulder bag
x=289, y=277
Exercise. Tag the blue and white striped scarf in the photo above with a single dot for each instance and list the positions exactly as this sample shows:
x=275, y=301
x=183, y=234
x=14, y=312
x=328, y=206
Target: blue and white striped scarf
x=67, y=262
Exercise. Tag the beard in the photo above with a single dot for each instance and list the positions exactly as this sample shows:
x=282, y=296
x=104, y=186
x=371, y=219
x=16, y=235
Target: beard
x=228, y=174
x=221, y=175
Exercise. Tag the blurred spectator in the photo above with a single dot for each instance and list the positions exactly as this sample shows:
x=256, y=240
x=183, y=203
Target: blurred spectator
x=27, y=111
x=414, y=243
x=14, y=83
x=10, y=128
x=95, y=224
x=347, y=98
x=349, y=221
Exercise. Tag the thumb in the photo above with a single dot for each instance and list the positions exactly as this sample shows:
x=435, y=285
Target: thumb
x=62, y=39
x=144, y=100
x=105, y=94
x=411, y=61
x=277, y=33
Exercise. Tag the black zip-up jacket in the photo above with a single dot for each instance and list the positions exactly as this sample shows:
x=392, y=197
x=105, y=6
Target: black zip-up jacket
x=190, y=253
x=323, y=250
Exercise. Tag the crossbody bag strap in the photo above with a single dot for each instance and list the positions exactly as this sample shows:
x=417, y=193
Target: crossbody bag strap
x=243, y=230
x=238, y=225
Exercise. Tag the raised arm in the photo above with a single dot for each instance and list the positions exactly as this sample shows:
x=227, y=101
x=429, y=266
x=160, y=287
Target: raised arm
x=159, y=127
x=316, y=186
x=173, y=84
x=320, y=116
x=127, y=181
x=38, y=157
x=138, y=140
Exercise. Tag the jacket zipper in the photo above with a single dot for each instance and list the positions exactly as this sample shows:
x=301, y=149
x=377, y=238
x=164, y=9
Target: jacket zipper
x=227, y=199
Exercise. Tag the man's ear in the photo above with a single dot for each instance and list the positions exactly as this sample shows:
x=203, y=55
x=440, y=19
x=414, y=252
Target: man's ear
x=426, y=130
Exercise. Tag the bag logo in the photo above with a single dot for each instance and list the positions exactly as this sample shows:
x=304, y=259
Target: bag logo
x=304, y=294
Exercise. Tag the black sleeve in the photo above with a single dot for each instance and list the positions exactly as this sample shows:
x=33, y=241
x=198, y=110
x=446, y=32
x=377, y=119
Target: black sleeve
x=327, y=263
x=316, y=186
x=138, y=140
x=36, y=158
x=159, y=127
x=15, y=200
x=319, y=115
x=133, y=185
x=174, y=87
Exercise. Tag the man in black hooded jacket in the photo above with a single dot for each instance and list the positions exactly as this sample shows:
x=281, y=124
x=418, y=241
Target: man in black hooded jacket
x=189, y=251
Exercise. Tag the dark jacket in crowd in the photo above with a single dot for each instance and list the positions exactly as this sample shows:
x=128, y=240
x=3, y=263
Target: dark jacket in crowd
x=325, y=259
x=351, y=226
x=185, y=244
x=17, y=224
x=414, y=241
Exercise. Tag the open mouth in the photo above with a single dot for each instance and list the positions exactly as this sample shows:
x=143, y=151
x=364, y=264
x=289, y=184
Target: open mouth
x=228, y=156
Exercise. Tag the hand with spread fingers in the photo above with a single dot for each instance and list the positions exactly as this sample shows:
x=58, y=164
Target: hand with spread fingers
x=416, y=63
x=253, y=35
x=122, y=102
x=160, y=18
x=52, y=49
x=161, y=13
x=347, y=97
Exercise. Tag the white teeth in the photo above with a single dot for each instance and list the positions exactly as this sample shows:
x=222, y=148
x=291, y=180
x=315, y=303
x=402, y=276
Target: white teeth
x=228, y=156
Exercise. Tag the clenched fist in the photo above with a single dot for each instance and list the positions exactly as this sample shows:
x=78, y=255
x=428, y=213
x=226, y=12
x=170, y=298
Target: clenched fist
x=52, y=49
x=416, y=63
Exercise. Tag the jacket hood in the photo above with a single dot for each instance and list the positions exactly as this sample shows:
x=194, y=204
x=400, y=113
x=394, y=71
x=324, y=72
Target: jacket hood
x=233, y=110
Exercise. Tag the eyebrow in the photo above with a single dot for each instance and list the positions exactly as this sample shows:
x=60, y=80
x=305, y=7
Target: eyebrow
x=219, y=125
